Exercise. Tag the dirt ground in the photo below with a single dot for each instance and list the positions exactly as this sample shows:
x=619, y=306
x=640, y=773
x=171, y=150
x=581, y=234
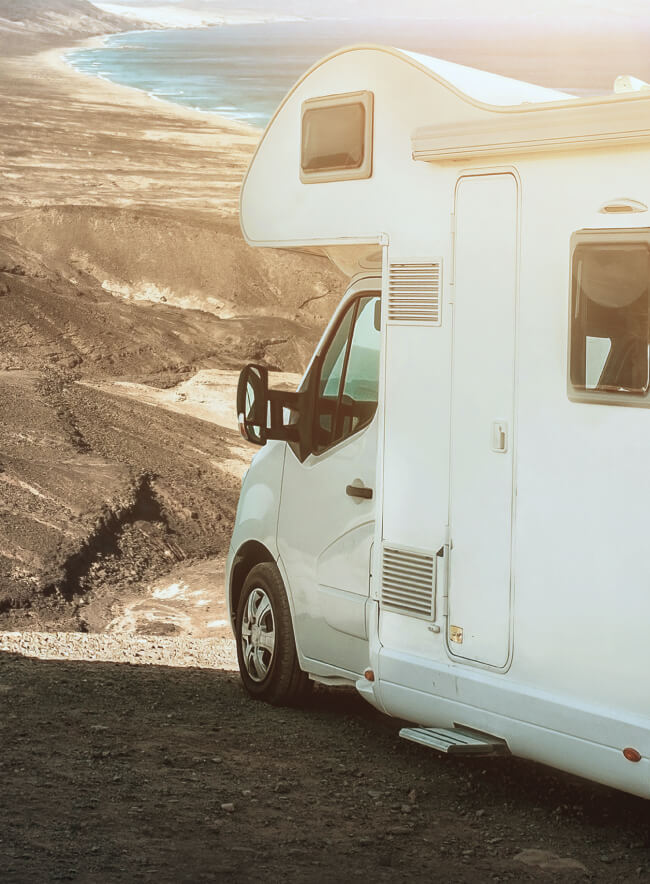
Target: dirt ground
x=157, y=767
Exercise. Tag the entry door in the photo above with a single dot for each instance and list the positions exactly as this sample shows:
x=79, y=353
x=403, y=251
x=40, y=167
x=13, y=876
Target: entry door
x=327, y=509
x=482, y=418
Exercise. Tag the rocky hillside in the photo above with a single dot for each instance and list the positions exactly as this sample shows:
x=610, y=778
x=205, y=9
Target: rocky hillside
x=26, y=25
x=94, y=489
x=121, y=267
x=185, y=260
x=101, y=493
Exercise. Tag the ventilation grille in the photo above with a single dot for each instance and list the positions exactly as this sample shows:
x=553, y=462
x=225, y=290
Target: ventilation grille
x=415, y=293
x=407, y=583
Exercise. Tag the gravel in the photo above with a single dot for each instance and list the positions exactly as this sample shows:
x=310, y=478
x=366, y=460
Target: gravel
x=130, y=758
x=123, y=648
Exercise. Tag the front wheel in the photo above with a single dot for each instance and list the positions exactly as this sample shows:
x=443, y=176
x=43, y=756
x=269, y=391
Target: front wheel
x=266, y=648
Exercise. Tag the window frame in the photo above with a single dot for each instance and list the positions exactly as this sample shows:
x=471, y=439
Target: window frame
x=351, y=304
x=609, y=236
x=364, y=170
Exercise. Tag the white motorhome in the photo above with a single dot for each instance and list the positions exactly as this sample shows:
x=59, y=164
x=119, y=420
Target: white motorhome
x=451, y=513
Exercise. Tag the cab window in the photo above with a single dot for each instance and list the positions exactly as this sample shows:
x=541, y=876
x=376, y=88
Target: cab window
x=349, y=379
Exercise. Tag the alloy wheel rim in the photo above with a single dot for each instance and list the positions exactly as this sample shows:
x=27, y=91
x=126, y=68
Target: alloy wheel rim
x=258, y=635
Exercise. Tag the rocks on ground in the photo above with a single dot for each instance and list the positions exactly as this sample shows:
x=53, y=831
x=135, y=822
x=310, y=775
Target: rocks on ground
x=140, y=757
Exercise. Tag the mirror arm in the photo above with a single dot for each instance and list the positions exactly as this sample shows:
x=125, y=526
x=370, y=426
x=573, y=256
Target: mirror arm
x=280, y=399
x=277, y=429
x=300, y=433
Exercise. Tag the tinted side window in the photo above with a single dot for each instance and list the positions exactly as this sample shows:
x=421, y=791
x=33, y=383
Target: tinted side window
x=336, y=137
x=349, y=381
x=610, y=330
x=333, y=137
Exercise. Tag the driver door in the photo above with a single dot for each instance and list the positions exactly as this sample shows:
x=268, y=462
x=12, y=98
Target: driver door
x=327, y=508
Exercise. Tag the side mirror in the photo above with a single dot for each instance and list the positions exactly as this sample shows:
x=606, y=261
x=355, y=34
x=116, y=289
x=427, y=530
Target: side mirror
x=252, y=403
x=273, y=414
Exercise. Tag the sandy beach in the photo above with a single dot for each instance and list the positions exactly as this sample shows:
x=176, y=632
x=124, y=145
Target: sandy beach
x=67, y=137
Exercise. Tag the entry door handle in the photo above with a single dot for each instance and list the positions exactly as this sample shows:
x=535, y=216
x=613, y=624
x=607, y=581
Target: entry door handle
x=500, y=436
x=359, y=491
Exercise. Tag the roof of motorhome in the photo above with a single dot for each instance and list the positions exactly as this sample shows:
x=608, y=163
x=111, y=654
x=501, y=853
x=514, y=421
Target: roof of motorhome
x=482, y=87
x=486, y=87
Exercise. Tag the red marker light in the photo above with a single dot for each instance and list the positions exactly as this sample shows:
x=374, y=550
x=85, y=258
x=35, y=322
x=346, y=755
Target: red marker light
x=369, y=675
x=632, y=754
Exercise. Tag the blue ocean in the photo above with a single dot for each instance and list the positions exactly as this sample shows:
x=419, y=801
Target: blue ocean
x=239, y=71
x=243, y=71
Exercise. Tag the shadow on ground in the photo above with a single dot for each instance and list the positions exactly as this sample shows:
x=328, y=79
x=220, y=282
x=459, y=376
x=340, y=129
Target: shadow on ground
x=114, y=772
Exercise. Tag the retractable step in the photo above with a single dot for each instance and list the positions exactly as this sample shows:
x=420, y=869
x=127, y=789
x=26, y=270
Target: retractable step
x=455, y=741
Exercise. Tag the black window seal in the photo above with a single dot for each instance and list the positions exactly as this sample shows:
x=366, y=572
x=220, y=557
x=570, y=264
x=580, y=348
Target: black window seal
x=355, y=301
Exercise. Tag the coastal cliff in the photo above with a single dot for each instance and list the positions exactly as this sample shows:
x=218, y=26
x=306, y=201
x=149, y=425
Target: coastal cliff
x=28, y=25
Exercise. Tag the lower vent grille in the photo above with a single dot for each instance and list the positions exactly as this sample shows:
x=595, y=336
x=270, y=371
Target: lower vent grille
x=408, y=582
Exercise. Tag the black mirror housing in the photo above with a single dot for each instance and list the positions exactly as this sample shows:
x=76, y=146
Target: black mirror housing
x=252, y=403
x=265, y=414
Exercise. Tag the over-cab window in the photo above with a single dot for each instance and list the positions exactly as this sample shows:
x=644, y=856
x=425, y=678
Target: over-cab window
x=336, y=137
x=609, y=357
x=348, y=386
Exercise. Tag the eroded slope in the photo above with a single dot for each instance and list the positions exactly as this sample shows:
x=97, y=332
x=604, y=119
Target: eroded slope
x=100, y=493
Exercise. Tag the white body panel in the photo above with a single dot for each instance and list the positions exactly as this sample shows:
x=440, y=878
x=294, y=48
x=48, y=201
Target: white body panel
x=545, y=567
x=327, y=553
x=259, y=501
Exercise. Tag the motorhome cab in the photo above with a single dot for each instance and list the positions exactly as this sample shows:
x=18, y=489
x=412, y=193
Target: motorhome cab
x=451, y=513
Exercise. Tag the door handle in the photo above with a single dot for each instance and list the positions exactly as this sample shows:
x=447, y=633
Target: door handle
x=359, y=491
x=500, y=437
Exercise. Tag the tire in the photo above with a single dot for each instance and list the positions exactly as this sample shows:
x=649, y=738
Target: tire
x=266, y=647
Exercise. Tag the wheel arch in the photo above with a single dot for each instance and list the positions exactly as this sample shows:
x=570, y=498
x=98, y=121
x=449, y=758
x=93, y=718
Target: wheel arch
x=248, y=555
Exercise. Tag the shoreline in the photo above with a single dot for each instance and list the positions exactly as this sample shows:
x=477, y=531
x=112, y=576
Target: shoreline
x=121, y=94
x=71, y=138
